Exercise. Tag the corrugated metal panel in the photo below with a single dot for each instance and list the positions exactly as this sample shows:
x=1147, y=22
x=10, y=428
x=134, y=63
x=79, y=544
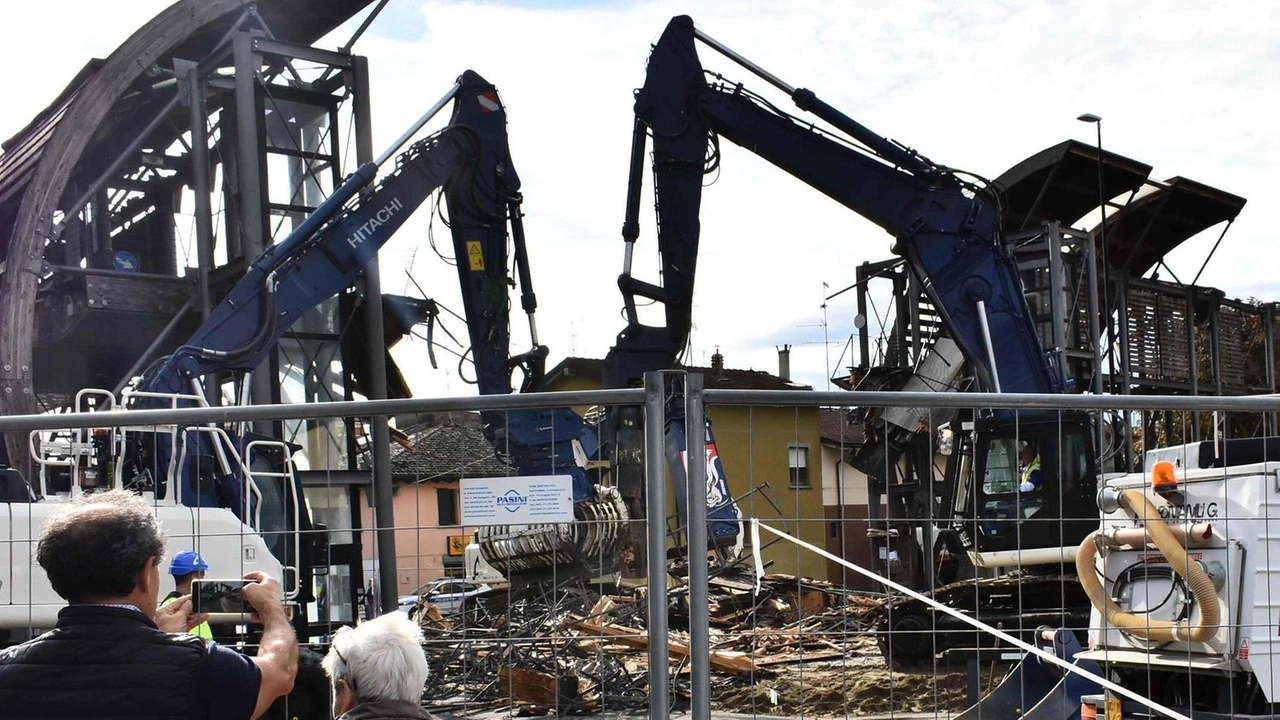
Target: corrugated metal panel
x=1158, y=332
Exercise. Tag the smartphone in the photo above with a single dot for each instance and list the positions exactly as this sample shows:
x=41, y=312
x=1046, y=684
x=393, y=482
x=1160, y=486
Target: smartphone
x=219, y=596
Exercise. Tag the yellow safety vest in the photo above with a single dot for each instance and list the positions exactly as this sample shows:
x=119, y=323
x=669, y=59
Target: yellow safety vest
x=202, y=630
x=1031, y=467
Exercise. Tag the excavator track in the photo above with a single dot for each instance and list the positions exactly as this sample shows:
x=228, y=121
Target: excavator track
x=912, y=635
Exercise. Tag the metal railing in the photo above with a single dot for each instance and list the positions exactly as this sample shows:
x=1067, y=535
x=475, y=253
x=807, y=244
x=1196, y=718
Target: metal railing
x=654, y=397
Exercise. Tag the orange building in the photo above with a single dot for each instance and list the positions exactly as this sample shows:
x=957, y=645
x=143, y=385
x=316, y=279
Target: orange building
x=446, y=447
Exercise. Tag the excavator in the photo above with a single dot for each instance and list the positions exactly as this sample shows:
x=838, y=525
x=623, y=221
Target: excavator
x=1166, y=569
x=223, y=489
x=231, y=493
x=945, y=225
x=485, y=221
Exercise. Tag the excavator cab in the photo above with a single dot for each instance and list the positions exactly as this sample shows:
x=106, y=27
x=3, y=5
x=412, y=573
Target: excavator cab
x=1032, y=487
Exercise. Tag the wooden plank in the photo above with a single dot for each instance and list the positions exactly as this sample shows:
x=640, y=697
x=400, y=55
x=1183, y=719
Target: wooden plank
x=602, y=607
x=809, y=657
x=720, y=660
x=526, y=687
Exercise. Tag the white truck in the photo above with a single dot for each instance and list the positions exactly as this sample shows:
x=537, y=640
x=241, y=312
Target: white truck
x=1184, y=577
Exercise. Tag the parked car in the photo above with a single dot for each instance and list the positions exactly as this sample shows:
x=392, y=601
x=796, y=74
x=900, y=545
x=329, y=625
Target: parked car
x=450, y=595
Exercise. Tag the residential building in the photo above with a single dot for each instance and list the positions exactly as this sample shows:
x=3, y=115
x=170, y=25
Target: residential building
x=440, y=451
x=770, y=456
x=844, y=500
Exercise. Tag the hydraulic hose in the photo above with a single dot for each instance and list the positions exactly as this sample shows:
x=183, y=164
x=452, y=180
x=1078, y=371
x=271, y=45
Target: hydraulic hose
x=1201, y=584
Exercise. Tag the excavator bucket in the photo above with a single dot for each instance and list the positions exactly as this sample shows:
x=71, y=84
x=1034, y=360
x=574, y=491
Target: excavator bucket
x=1038, y=690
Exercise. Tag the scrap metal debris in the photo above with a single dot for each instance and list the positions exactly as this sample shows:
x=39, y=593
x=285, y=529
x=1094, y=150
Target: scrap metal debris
x=584, y=648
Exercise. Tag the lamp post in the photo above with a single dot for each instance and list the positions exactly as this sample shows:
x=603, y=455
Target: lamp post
x=1102, y=199
x=1102, y=228
x=1106, y=279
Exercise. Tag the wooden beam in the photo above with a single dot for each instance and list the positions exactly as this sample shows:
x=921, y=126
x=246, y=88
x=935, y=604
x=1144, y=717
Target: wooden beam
x=732, y=662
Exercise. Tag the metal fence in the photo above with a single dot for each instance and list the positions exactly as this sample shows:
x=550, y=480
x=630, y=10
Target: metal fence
x=854, y=593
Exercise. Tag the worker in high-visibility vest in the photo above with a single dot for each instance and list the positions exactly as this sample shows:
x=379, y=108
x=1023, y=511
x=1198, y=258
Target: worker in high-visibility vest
x=1028, y=467
x=185, y=567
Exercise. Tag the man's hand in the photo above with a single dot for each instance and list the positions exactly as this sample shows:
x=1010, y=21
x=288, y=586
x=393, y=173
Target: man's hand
x=264, y=595
x=277, y=657
x=177, y=616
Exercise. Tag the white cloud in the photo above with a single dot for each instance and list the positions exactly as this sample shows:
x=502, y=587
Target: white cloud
x=1188, y=87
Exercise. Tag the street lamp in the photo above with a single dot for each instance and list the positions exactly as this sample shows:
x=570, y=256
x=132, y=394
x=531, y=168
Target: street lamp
x=1102, y=199
x=1106, y=278
x=1102, y=228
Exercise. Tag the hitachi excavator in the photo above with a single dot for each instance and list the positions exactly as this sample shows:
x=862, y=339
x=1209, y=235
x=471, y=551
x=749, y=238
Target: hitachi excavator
x=219, y=488
x=944, y=224
x=246, y=480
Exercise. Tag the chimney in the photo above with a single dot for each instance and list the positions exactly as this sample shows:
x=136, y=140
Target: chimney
x=784, y=362
x=717, y=362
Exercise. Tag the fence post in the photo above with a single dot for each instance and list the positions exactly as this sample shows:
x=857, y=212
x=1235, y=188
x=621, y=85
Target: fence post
x=655, y=475
x=699, y=604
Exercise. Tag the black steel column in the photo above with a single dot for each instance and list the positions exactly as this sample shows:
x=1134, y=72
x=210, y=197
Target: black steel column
x=251, y=176
x=200, y=187
x=376, y=383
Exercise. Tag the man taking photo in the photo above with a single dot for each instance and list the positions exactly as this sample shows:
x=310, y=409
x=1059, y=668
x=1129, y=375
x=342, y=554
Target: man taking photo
x=113, y=653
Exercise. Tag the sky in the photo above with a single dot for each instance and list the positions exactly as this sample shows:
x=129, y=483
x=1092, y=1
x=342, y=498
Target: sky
x=1186, y=86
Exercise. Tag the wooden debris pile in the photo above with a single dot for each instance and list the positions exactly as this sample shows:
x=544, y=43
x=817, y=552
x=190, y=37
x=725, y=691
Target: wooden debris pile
x=585, y=648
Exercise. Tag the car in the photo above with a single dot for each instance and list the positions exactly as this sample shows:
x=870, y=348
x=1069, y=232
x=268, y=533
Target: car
x=450, y=595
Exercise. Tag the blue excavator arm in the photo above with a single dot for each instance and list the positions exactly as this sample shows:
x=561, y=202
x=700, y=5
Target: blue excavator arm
x=486, y=224
x=944, y=227
x=482, y=202
x=320, y=258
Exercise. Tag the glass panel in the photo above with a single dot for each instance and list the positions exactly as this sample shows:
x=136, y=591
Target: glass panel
x=1075, y=459
x=333, y=596
x=293, y=177
x=311, y=371
x=799, y=456
x=1002, y=466
x=331, y=506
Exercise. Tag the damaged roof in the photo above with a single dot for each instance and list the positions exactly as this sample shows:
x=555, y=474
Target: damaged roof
x=445, y=453
x=715, y=378
x=838, y=429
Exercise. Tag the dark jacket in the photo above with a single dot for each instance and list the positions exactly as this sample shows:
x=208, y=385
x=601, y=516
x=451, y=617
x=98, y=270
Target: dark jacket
x=102, y=662
x=387, y=710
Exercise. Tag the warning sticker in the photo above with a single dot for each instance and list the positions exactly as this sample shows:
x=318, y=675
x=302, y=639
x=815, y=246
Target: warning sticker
x=1243, y=652
x=489, y=102
x=475, y=257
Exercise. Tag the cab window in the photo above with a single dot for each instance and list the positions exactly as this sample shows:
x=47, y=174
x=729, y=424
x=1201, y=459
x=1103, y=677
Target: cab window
x=1001, y=475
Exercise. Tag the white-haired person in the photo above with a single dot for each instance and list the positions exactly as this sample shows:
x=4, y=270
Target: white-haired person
x=377, y=670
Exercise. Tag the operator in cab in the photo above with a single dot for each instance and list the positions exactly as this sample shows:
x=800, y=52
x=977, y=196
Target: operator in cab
x=1029, y=474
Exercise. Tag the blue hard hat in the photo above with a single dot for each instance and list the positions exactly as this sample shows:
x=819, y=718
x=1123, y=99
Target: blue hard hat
x=187, y=562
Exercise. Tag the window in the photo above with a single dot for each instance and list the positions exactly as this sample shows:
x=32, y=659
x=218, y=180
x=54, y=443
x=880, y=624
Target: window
x=1002, y=467
x=447, y=504
x=798, y=461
